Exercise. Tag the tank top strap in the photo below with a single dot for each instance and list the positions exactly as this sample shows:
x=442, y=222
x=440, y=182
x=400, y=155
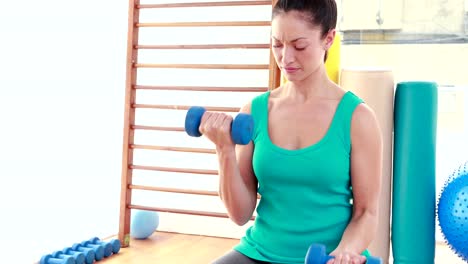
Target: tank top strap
x=343, y=117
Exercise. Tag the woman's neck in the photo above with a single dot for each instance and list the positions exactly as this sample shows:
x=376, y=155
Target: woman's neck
x=314, y=86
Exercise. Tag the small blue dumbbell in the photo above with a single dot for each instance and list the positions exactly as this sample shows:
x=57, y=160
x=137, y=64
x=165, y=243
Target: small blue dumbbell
x=114, y=244
x=88, y=254
x=78, y=256
x=317, y=255
x=106, y=246
x=98, y=250
x=241, y=127
x=48, y=259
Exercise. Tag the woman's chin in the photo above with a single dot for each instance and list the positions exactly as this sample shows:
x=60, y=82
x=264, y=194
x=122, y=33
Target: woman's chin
x=292, y=77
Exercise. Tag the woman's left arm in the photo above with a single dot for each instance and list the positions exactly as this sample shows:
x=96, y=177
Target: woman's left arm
x=366, y=173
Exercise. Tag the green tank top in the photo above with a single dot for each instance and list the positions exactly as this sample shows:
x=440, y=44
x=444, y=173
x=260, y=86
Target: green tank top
x=305, y=193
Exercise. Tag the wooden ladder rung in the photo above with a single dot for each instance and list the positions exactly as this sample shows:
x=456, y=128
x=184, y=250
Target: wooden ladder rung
x=205, y=46
x=186, y=107
x=158, y=128
x=171, y=169
x=177, y=149
x=173, y=190
x=205, y=66
x=181, y=211
x=206, y=24
x=202, y=88
x=205, y=4
x=176, y=190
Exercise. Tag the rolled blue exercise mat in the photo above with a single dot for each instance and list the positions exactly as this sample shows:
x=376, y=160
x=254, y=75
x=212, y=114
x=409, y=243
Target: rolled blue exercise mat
x=414, y=191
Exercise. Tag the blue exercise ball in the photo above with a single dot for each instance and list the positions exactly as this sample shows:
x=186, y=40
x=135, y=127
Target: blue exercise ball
x=143, y=223
x=452, y=211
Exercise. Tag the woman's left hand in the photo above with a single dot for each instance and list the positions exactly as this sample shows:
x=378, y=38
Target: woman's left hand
x=345, y=257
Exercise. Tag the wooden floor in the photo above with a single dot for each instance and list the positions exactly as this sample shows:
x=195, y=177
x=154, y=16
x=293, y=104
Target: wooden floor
x=171, y=248
x=164, y=247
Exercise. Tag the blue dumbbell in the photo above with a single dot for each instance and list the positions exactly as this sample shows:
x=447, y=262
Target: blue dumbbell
x=88, y=254
x=78, y=256
x=98, y=250
x=241, y=127
x=317, y=255
x=113, y=243
x=107, y=247
x=48, y=259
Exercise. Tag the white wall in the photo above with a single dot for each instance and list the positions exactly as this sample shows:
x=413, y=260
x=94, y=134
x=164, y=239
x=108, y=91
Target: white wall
x=406, y=16
x=442, y=63
x=62, y=68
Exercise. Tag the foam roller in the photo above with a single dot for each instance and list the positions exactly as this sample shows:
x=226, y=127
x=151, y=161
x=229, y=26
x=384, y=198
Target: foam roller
x=241, y=127
x=414, y=194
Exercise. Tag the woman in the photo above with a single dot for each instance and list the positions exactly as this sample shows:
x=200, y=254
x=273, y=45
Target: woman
x=315, y=157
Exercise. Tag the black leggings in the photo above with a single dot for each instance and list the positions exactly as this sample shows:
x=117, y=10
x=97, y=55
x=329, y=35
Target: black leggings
x=235, y=257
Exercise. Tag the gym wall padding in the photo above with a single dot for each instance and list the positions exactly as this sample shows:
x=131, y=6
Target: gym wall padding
x=376, y=87
x=414, y=188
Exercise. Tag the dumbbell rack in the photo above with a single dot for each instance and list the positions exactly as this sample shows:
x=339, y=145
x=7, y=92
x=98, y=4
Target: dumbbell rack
x=86, y=252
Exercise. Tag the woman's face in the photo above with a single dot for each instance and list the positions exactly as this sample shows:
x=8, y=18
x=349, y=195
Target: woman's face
x=298, y=46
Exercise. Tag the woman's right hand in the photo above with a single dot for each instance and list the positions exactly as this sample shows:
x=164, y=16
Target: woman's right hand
x=217, y=128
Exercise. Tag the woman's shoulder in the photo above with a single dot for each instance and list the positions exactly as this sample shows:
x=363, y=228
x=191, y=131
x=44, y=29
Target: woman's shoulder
x=364, y=121
x=364, y=113
x=255, y=100
x=277, y=92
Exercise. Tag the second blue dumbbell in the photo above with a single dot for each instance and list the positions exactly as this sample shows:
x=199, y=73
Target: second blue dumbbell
x=317, y=255
x=110, y=247
x=88, y=254
x=78, y=256
x=241, y=128
x=86, y=246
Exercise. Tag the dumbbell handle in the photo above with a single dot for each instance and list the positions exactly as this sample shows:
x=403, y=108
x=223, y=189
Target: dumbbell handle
x=241, y=126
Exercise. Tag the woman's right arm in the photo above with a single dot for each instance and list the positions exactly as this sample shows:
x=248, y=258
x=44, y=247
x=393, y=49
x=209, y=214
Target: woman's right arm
x=237, y=183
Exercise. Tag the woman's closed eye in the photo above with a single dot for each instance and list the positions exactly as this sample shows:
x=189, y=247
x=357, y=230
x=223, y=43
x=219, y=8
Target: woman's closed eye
x=277, y=45
x=298, y=48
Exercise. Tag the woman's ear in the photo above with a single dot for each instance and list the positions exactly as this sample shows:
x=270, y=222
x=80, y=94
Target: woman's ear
x=329, y=38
